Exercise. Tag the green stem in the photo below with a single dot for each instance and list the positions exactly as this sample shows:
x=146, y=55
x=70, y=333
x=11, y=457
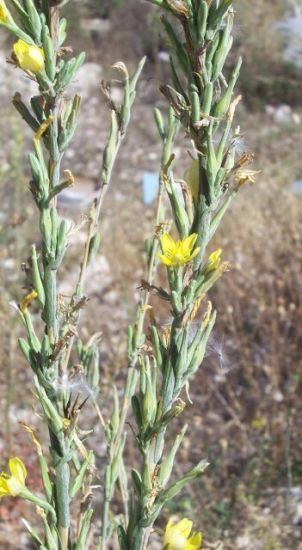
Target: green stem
x=50, y=308
x=62, y=501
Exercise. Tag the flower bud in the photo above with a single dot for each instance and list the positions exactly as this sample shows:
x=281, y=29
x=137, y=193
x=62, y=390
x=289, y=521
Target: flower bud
x=30, y=58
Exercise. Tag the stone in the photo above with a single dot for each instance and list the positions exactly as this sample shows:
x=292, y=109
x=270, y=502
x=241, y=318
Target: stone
x=297, y=519
x=87, y=80
x=97, y=25
x=282, y=114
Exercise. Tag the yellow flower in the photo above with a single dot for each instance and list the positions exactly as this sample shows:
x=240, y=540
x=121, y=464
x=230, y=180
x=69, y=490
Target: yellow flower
x=29, y=57
x=177, y=253
x=14, y=484
x=177, y=536
x=213, y=262
x=3, y=12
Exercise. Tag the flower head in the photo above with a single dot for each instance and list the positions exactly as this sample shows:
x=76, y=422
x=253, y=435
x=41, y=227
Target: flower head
x=177, y=253
x=29, y=57
x=177, y=536
x=14, y=483
x=214, y=261
x=3, y=12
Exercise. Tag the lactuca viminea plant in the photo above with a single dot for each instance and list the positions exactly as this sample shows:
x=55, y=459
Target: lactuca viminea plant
x=68, y=468
x=161, y=360
x=201, y=105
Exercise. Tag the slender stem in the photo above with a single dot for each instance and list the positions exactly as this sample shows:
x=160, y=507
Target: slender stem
x=50, y=309
x=141, y=312
x=105, y=514
x=92, y=230
x=62, y=494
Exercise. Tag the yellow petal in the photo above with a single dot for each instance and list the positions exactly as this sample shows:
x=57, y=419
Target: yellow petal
x=17, y=469
x=215, y=255
x=30, y=57
x=195, y=252
x=184, y=527
x=3, y=487
x=194, y=542
x=189, y=242
x=168, y=244
x=162, y=258
x=169, y=526
x=3, y=13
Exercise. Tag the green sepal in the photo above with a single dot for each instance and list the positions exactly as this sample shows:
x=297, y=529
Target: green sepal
x=195, y=103
x=219, y=214
x=207, y=99
x=174, y=489
x=115, y=417
x=130, y=349
x=117, y=461
x=125, y=107
x=122, y=538
x=61, y=241
x=159, y=123
x=46, y=229
x=176, y=81
x=62, y=31
x=36, y=277
x=200, y=349
x=32, y=337
x=136, y=408
x=202, y=16
x=181, y=361
x=50, y=411
x=222, y=106
x=110, y=148
x=54, y=230
x=167, y=464
x=157, y=346
x=225, y=44
x=28, y=353
x=134, y=79
x=68, y=71
x=177, y=204
x=50, y=56
x=78, y=481
x=176, y=302
x=137, y=481
x=33, y=20
x=84, y=530
x=177, y=46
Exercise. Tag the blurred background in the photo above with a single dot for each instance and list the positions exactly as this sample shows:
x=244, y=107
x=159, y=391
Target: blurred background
x=246, y=407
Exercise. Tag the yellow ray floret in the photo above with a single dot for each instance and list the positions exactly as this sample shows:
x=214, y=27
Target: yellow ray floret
x=30, y=58
x=178, y=536
x=13, y=484
x=3, y=12
x=214, y=260
x=177, y=253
